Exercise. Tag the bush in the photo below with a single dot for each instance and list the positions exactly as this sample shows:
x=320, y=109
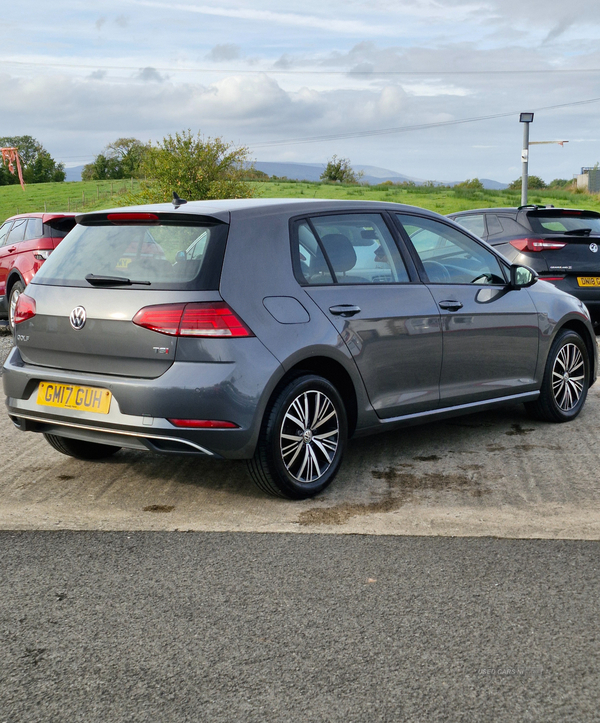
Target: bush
x=196, y=168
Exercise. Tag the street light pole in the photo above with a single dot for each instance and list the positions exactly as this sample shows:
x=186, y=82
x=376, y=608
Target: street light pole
x=525, y=119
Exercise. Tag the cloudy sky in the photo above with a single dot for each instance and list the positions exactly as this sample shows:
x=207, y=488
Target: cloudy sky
x=429, y=88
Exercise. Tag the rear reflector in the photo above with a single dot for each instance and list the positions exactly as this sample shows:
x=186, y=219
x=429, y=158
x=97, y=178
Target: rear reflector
x=551, y=278
x=203, y=424
x=120, y=218
x=536, y=244
x=25, y=308
x=209, y=319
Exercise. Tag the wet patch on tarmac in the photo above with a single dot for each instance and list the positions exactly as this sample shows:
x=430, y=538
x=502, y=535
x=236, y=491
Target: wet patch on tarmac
x=159, y=508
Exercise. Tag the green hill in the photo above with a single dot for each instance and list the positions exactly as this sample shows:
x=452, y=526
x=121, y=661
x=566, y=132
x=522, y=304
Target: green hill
x=92, y=195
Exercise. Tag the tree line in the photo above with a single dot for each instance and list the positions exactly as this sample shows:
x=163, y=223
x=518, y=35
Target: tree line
x=190, y=164
x=37, y=164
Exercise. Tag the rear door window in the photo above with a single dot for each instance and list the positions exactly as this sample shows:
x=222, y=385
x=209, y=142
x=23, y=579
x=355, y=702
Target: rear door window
x=475, y=223
x=348, y=249
x=164, y=255
x=4, y=229
x=17, y=231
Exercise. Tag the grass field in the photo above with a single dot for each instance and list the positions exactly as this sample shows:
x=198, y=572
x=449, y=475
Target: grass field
x=93, y=195
x=83, y=196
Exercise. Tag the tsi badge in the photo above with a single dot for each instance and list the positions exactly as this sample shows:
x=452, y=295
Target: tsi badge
x=77, y=318
x=594, y=248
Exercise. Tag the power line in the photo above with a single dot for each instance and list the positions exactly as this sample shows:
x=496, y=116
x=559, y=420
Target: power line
x=287, y=71
x=422, y=126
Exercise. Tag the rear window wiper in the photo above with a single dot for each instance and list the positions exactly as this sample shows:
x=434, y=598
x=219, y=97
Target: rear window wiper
x=112, y=281
x=578, y=232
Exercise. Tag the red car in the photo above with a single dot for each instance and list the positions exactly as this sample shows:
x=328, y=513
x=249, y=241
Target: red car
x=26, y=241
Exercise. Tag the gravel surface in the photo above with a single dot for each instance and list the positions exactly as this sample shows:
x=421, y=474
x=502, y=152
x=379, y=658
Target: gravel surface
x=6, y=344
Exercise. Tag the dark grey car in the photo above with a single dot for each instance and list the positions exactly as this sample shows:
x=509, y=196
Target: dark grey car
x=274, y=330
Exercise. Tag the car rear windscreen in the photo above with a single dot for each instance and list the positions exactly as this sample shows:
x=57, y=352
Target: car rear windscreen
x=564, y=221
x=163, y=255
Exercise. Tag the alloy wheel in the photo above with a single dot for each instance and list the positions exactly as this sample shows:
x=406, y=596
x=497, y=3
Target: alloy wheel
x=568, y=376
x=309, y=436
x=14, y=297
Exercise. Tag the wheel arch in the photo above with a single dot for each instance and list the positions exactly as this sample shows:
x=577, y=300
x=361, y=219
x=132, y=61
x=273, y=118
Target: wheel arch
x=13, y=277
x=580, y=328
x=335, y=373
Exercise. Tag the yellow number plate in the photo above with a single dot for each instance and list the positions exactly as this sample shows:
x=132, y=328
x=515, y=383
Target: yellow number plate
x=588, y=280
x=68, y=396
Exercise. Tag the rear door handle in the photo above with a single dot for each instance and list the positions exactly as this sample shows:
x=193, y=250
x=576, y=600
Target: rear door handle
x=344, y=310
x=10, y=249
x=450, y=305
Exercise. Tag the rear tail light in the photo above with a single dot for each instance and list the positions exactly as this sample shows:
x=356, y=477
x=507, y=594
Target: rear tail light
x=210, y=319
x=42, y=254
x=25, y=308
x=536, y=244
x=203, y=424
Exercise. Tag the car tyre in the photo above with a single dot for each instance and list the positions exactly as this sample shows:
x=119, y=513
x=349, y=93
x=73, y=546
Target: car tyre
x=566, y=380
x=79, y=448
x=16, y=291
x=302, y=439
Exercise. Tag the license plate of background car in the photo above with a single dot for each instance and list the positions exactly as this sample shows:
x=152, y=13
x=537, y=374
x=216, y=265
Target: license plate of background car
x=588, y=280
x=68, y=396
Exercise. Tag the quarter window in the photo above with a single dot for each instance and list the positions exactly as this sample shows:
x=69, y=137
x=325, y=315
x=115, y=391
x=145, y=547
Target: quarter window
x=348, y=249
x=34, y=229
x=450, y=256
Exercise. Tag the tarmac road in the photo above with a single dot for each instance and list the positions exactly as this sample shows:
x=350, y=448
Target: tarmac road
x=118, y=626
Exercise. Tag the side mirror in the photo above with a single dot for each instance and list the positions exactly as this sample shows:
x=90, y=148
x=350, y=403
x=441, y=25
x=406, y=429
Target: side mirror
x=522, y=276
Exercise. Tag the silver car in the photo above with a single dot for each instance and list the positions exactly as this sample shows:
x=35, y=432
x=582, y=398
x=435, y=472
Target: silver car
x=275, y=330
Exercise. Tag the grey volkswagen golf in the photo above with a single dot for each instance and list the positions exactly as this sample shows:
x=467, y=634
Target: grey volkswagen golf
x=275, y=330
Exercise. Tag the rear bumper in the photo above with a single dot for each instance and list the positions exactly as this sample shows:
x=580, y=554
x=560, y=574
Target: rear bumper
x=140, y=408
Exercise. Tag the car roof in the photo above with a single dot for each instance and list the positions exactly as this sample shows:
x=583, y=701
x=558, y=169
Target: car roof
x=505, y=209
x=44, y=216
x=250, y=206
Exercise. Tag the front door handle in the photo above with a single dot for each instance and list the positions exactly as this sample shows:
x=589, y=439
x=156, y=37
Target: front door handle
x=10, y=249
x=450, y=305
x=344, y=310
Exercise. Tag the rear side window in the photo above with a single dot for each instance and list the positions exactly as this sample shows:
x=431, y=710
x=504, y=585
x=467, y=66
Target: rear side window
x=348, y=249
x=34, y=229
x=165, y=255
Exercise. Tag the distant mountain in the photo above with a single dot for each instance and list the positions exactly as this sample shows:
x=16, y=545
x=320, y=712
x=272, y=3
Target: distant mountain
x=74, y=173
x=312, y=172
x=372, y=175
x=493, y=185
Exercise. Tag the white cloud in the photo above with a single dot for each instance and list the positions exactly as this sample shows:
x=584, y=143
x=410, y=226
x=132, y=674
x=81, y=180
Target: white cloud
x=329, y=23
